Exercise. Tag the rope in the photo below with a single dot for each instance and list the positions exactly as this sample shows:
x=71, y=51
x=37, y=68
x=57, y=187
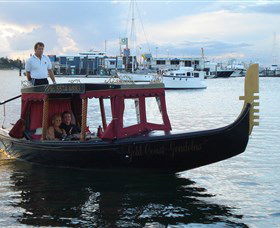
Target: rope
x=148, y=44
x=127, y=21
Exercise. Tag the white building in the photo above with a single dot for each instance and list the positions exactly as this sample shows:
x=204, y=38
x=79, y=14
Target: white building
x=168, y=63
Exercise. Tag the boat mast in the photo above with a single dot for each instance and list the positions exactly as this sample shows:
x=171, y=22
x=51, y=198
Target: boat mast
x=132, y=33
x=203, y=57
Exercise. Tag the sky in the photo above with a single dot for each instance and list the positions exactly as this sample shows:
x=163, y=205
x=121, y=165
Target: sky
x=243, y=30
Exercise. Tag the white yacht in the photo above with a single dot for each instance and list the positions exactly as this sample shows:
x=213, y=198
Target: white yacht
x=184, y=78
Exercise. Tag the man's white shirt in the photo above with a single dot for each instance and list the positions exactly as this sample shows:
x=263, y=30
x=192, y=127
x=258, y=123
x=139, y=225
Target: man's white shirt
x=38, y=68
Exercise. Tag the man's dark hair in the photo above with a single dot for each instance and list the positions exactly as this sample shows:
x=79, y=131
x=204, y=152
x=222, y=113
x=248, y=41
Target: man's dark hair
x=66, y=112
x=41, y=44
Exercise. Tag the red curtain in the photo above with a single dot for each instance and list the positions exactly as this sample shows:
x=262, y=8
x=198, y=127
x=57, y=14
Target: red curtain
x=55, y=107
x=36, y=115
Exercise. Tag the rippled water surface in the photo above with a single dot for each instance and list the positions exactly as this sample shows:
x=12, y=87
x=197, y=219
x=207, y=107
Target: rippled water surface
x=241, y=191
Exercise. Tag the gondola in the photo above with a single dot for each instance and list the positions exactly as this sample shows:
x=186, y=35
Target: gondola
x=144, y=145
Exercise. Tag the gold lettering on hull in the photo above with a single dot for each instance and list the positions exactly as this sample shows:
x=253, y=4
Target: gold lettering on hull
x=168, y=149
x=70, y=88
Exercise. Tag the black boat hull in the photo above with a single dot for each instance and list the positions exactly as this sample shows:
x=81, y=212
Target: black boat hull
x=171, y=152
x=224, y=74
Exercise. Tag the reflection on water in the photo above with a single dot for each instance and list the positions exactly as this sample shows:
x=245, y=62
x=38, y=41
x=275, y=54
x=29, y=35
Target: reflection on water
x=63, y=197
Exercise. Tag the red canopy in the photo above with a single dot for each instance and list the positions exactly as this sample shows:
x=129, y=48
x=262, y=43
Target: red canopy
x=32, y=110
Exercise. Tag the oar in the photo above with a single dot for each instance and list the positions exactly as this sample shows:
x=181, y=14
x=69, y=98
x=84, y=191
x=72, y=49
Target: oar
x=6, y=101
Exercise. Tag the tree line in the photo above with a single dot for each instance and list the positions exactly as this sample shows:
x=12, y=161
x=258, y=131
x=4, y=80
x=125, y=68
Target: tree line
x=6, y=63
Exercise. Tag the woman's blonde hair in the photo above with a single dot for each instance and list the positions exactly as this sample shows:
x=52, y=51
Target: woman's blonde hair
x=55, y=116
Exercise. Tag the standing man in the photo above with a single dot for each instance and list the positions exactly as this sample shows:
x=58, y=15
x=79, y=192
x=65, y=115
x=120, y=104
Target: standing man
x=39, y=66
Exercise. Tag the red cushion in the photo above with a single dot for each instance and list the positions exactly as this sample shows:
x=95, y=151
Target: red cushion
x=18, y=129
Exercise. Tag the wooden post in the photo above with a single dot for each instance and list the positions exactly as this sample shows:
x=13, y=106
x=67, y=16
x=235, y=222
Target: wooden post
x=45, y=122
x=84, y=119
x=102, y=110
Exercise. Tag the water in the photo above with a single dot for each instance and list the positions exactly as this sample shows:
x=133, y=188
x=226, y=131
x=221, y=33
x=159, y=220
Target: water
x=241, y=191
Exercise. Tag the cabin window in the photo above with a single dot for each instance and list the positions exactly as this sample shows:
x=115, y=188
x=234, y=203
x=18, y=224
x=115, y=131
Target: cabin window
x=112, y=63
x=174, y=62
x=153, y=112
x=188, y=73
x=196, y=75
x=160, y=62
x=94, y=119
x=196, y=62
x=131, y=115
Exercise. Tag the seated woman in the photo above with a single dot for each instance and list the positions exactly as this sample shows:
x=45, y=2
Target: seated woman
x=55, y=132
x=67, y=126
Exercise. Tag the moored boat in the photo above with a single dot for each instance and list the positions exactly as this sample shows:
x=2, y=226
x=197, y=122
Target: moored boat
x=142, y=145
x=184, y=78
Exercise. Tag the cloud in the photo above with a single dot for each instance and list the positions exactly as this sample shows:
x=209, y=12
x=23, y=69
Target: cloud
x=220, y=32
x=8, y=32
x=269, y=7
x=65, y=42
x=216, y=25
x=222, y=28
x=193, y=48
x=17, y=41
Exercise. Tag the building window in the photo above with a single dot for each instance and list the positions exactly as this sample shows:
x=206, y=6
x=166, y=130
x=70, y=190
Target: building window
x=188, y=63
x=174, y=62
x=112, y=63
x=160, y=62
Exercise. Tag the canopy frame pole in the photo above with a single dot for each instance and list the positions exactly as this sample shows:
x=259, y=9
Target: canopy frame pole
x=84, y=119
x=4, y=116
x=103, y=115
x=45, y=118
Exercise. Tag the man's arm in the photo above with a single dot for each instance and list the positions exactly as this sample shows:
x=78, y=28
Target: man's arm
x=28, y=69
x=51, y=74
x=28, y=75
